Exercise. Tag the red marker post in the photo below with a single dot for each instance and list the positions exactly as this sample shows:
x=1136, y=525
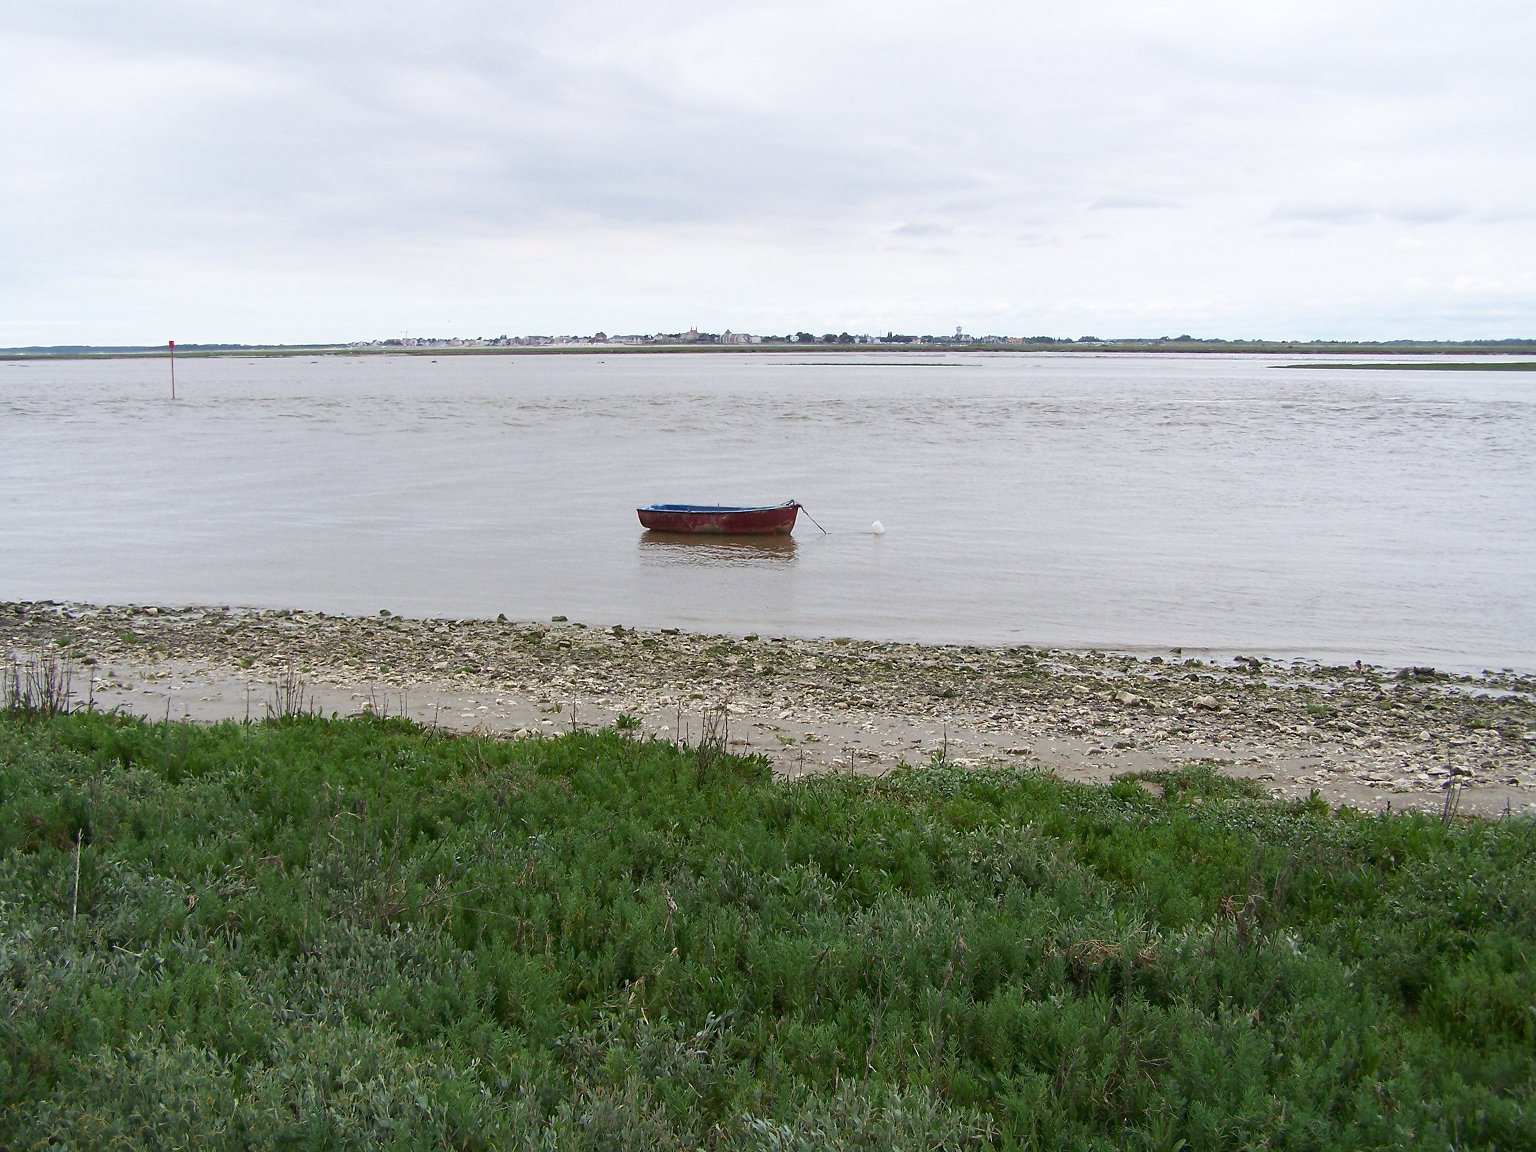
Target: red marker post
x=173, y=369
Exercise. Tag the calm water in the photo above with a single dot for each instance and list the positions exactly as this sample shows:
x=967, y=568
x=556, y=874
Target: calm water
x=1125, y=502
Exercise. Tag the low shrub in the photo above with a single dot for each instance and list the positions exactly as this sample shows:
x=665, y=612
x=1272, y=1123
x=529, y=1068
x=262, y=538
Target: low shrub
x=363, y=933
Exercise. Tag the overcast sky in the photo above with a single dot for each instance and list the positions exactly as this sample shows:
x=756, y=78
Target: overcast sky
x=319, y=170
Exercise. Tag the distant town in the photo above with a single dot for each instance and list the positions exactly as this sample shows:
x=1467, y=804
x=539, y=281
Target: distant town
x=694, y=336
x=960, y=338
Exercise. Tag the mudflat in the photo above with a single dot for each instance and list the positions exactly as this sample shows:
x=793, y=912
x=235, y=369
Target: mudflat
x=1357, y=735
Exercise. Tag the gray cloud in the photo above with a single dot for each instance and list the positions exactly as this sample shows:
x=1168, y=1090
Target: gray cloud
x=411, y=160
x=1346, y=212
x=1113, y=203
x=1316, y=212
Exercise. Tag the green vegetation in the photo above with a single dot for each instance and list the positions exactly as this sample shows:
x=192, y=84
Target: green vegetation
x=362, y=933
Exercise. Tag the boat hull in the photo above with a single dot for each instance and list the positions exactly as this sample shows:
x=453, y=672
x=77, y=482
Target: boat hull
x=720, y=520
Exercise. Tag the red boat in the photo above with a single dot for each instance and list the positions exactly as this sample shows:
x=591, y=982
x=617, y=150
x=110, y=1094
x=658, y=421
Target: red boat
x=721, y=519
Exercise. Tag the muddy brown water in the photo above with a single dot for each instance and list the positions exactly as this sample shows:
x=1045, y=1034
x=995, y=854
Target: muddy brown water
x=1213, y=503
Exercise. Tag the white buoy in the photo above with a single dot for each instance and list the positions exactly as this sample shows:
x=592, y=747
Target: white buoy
x=877, y=528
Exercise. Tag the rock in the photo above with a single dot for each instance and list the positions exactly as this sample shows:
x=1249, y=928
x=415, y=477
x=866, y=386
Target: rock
x=1208, y=703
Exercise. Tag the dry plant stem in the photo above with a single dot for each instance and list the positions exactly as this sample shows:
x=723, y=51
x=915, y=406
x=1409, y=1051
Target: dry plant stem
x=714, y=737
x=40, y=684
x=1452, y=804
x=74, y=903
x=288, y=695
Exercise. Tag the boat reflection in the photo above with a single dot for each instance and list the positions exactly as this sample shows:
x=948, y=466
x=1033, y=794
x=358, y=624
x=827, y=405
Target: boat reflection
x=686, y=550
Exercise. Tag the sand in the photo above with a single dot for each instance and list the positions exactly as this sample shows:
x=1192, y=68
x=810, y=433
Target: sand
x=1366, y=737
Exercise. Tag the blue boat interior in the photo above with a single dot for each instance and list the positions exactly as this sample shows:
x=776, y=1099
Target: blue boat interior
x=716, y=507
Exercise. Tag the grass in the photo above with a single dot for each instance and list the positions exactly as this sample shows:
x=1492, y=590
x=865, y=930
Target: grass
x=362, y=933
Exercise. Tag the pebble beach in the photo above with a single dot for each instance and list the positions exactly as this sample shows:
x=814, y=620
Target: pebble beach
x=1360, y=736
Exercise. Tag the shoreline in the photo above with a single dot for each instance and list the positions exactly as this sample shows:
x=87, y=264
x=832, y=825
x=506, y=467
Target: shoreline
x=1423, y=349
x=1360, y=736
